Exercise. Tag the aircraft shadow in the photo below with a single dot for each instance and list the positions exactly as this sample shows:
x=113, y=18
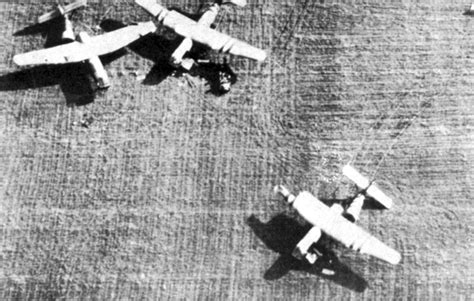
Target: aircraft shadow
x=282, y=233
x=192, y=16
x=52, y=30
x=76, y=88
x=468, y=12
x=75, y=80
x=158, y=48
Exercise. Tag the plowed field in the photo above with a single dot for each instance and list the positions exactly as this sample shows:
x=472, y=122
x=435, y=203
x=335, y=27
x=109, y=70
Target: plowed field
x=161, y=189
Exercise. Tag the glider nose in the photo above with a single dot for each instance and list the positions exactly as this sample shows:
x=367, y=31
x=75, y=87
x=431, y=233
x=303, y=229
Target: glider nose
x=281, y=190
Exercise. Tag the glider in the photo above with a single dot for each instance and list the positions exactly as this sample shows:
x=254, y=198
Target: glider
x=200, y=31
x=206, y=19
x=331, y=221
x=87, y=49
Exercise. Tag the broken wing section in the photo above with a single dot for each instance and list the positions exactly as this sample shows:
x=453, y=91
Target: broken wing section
x=77, y=52
x=336, y=226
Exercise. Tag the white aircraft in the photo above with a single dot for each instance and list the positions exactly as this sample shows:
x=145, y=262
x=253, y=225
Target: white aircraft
x=63, y=11
x=367, y=186
x=331, y=221
x=87, y=49
x=200, y=31
x=206, y=19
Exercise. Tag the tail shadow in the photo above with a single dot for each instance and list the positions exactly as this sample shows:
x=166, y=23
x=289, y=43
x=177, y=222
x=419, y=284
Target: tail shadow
x=282, y=233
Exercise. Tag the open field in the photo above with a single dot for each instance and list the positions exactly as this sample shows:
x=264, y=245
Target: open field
x=168, y=193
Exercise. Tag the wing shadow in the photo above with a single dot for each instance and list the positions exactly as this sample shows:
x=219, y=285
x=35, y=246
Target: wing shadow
x=369, y=203
x=52, y=30
x=154, y=47
x=330, y=194
x=75, y=80
x=158, y=48
x=71, y=78
x=192, y=16
x=282, y=233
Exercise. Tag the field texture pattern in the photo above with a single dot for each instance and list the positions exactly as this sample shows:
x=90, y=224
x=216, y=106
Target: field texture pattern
x=167, y=194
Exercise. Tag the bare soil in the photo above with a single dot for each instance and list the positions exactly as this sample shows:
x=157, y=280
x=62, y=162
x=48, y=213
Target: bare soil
x=161, y=189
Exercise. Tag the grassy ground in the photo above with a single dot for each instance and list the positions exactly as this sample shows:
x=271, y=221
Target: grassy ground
x=167, y=194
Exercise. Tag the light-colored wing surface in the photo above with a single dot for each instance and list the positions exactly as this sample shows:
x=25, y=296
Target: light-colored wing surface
x=219, y=41
x=207, y=18
x=58, y=12
x=188, y=28
x=362, y=182
x=78, y=52
x=151, y=7
x=336, y=226
x=240, y=3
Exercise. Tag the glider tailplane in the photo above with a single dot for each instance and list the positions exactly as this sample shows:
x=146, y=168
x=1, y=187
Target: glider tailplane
x=369, y=188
